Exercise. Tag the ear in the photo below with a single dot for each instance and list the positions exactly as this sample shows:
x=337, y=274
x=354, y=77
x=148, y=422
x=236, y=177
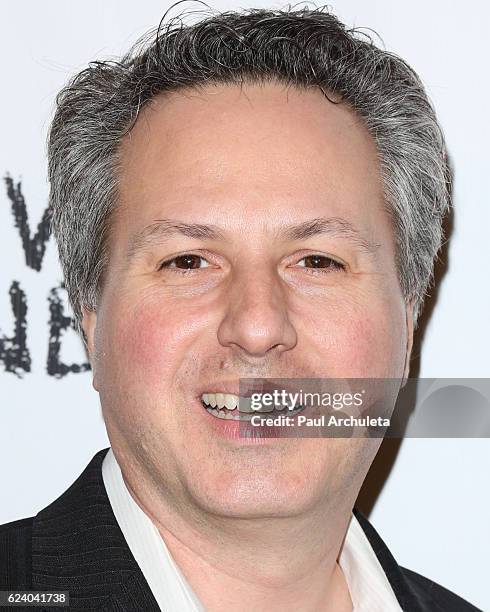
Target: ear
x=89, y=323
x=409, y=330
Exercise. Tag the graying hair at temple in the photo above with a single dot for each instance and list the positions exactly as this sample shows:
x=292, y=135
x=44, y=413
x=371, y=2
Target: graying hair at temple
x=300, y=48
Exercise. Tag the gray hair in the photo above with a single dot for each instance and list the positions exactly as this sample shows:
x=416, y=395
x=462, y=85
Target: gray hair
x=303, y=48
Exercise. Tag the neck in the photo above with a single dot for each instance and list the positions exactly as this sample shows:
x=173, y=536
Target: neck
x=273, y=563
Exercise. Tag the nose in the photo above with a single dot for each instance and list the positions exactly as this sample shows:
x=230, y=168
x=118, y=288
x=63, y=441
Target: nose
x=256, y=318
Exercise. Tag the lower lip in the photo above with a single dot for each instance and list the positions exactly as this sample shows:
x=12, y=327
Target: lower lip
x=241, y=431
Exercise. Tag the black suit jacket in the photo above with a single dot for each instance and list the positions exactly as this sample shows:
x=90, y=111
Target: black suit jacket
x=75, y=544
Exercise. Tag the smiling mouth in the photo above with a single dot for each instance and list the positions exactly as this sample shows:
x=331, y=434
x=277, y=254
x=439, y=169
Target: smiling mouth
x=238, y=408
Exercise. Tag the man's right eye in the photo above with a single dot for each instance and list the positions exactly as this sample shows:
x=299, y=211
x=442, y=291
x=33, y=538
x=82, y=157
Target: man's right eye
x=185, y=263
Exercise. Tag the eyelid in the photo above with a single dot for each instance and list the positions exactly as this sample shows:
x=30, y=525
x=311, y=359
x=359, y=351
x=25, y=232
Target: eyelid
x=174, y=257
x=332, y=259
x=342, y=264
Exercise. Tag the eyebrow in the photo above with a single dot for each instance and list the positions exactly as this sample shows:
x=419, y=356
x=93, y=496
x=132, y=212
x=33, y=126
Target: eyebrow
x=331, y=226
x=162, y=229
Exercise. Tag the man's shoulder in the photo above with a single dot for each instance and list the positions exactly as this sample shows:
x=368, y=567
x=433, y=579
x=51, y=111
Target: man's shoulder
x=15, y=553
x=56, y=521
x=75, y=544
x=413, y=591
x=435, y=596
x=19, y=526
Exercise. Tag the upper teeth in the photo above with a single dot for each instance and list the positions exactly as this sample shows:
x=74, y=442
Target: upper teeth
x=229, y=401
x=244, y=404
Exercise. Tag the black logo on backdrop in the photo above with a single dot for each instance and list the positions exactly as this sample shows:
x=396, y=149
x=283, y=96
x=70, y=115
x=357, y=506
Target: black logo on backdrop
x=14, y=348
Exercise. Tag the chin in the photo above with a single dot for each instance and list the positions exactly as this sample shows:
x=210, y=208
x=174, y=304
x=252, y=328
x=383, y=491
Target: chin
x=254, y=497
x=258, y=508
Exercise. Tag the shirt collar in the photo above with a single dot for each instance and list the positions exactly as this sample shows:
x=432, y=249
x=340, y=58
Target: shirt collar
x=368, y=585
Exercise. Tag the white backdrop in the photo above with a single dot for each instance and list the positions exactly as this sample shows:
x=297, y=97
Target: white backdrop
x=433, y=509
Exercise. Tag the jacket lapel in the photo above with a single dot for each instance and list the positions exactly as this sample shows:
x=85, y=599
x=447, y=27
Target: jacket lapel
x=406, y=595
x=78, y=546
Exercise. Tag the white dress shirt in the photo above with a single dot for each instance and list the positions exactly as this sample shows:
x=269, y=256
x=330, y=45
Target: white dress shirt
x=368, y=585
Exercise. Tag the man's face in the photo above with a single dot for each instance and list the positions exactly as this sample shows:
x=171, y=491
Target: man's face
x=245, y=296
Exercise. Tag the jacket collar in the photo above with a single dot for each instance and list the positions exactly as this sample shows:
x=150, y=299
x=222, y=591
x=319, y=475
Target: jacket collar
x=78, y=546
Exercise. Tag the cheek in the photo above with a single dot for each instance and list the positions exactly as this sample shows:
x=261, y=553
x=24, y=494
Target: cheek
x=148, y=342
x=364, y=343
x=371, y=349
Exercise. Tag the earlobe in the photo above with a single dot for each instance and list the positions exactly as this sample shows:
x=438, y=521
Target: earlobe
x=89, y=323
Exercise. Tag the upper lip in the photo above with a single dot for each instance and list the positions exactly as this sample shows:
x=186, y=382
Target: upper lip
x=245, y=389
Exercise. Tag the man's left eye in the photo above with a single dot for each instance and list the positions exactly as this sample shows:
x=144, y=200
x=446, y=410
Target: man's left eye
x=185, y=262
x=321, y=262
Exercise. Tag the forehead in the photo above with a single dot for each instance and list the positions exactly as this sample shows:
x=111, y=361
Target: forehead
x=271, y=149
